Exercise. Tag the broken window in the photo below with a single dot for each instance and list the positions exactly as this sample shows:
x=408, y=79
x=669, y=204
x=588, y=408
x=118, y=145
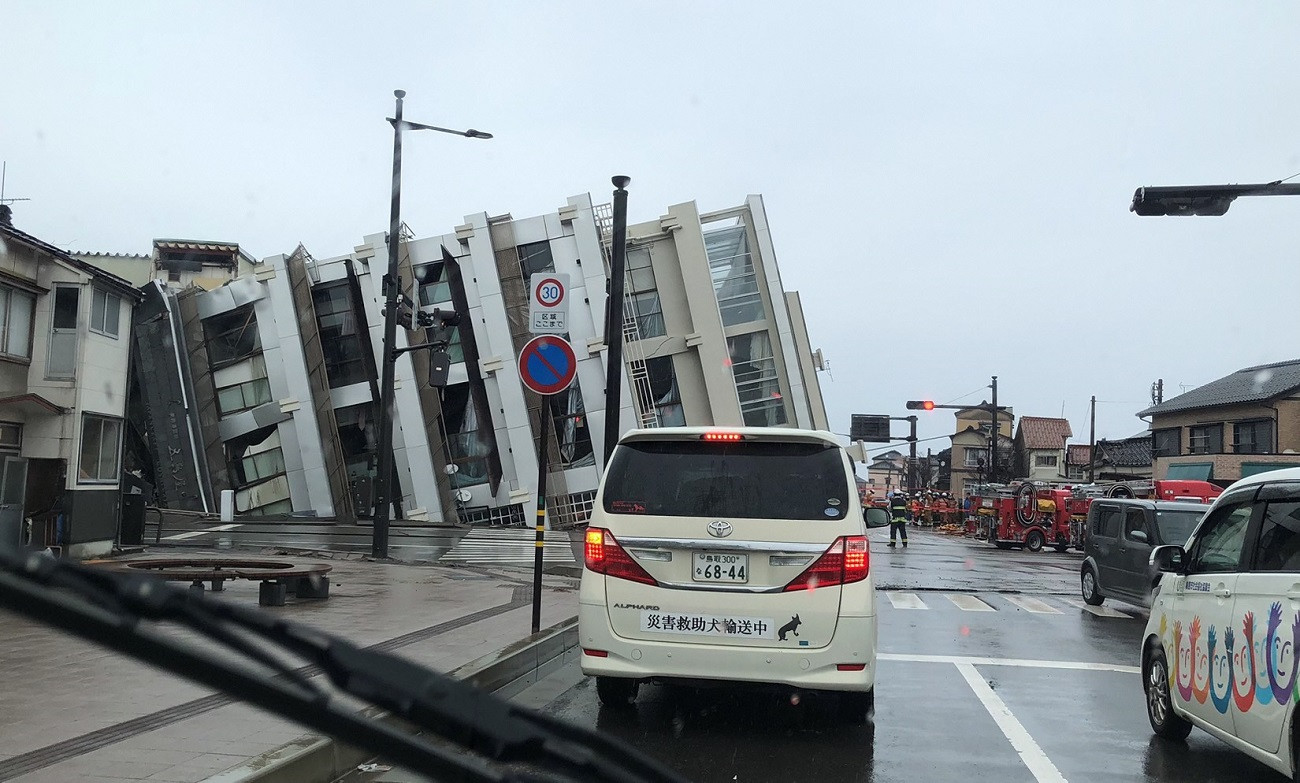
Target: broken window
x=340, y=338
x=535, y=257
x=435, y=289
x=232, y=337
x=257, y=472
x=571, y=431
x=467, y=447
x=664, y=392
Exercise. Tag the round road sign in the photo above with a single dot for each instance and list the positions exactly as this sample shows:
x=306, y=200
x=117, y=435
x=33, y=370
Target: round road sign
x=547, y=364
x=549, y=292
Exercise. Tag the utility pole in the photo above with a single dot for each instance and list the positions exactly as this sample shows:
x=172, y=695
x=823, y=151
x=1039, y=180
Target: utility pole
x=911, y=460
x=614, y=318
x=1092, y=438
x=383, y=480
x=993, y=436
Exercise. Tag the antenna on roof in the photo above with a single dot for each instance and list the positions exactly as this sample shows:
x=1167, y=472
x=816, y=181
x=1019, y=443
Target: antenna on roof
x=4, y=169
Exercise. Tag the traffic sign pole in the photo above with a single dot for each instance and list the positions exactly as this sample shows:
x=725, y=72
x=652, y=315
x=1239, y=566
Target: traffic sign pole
x=543, y=452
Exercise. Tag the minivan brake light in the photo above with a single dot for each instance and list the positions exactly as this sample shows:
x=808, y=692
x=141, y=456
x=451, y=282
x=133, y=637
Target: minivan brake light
x=604, y=555
x=847, y=560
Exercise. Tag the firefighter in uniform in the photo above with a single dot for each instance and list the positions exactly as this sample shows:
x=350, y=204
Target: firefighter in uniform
x=898, y=517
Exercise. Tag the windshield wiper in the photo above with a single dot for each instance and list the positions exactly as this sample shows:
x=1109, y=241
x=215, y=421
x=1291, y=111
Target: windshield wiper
x=119, y=611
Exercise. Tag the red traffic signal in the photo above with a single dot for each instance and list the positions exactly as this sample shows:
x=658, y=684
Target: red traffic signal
x=920, y=405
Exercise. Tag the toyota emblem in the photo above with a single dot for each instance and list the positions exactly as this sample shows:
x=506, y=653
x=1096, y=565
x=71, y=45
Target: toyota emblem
x=719, y=528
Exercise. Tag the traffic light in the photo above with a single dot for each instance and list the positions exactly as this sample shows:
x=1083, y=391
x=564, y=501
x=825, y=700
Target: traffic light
x=920, y=405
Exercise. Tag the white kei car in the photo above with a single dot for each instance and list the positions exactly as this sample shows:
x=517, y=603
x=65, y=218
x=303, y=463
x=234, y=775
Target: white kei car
x=730, y=555
x=1220, y=649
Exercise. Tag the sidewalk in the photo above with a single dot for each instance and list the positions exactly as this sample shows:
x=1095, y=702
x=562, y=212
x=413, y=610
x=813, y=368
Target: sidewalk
x=70, y=710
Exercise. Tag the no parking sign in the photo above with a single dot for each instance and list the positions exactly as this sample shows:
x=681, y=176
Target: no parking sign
x=547, y=364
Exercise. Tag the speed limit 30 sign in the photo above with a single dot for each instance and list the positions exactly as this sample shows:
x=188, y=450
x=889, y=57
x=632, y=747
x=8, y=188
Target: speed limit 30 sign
x=548, y=305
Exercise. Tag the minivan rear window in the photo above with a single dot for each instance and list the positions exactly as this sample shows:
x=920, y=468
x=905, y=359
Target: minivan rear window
x=754, y=479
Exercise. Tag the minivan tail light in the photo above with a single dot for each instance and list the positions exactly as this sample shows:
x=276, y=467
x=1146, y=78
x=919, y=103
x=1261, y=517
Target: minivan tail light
x=847, y=560
x=604, y=555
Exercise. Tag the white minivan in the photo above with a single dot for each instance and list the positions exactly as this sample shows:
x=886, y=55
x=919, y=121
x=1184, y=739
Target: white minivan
x=1220, y=649
x=730, y=556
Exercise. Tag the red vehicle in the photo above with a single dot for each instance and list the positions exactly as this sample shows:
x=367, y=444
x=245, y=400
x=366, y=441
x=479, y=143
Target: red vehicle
x=1028, y=516
x=1034, y=515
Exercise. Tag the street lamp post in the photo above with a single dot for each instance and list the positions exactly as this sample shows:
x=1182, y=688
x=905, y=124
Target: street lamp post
x=1209, y=200
x=392, y=291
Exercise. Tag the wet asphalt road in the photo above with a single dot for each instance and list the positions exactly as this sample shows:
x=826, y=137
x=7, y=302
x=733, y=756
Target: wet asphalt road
x=937, y=690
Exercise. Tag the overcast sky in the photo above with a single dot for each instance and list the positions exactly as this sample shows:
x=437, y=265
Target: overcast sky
x=947, y=182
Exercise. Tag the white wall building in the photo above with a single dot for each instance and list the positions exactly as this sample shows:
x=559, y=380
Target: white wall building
x=64, y=357
x=710, y=338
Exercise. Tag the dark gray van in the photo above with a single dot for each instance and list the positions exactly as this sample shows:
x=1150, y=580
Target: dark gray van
x=1118, y=538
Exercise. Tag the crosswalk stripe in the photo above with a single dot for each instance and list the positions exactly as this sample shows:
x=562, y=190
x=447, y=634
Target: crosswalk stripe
x=1100, y=611
x=906, y=601
x=1032, y=604
x=969, y=603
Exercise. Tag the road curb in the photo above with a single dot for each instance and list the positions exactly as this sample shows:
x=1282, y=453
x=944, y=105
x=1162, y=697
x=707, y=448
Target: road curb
x=312, y=758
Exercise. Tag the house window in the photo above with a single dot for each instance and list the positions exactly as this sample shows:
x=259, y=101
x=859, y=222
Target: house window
x=757, y=384
x=1253, y=437
x=1167, y=442
x=666, y=397
x=1045, y=460
x=644, y=294
x=1075, y=472
x=974, y=457
x=11, y=436
x=63, y=333
x=173, y=275
x=434, y=286
x=243, y=396
x=535, y=257
x=340, y=338
x=105, y=313
x=1206, y=439
x=17, y=310
x=100, y=445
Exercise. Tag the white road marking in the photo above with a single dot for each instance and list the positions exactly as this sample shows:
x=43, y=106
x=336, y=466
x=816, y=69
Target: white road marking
x=906, y=601
x=1032, y=604
x=969, y=603
x=975, y=660
x=1040, y=766
x=1100, y=611
x=197, y=533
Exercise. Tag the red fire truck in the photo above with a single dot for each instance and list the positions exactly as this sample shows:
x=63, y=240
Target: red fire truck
x=1032, y=515
x=1027, y=515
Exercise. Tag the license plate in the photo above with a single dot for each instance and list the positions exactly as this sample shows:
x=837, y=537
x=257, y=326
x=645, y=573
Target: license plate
x=708, y=567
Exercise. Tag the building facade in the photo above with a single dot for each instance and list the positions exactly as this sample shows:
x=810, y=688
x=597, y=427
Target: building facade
x=64, y=354
x=1040, y=448
x=970, y=447
x=178, y=263
x=1244, y=423
x=282, y=365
